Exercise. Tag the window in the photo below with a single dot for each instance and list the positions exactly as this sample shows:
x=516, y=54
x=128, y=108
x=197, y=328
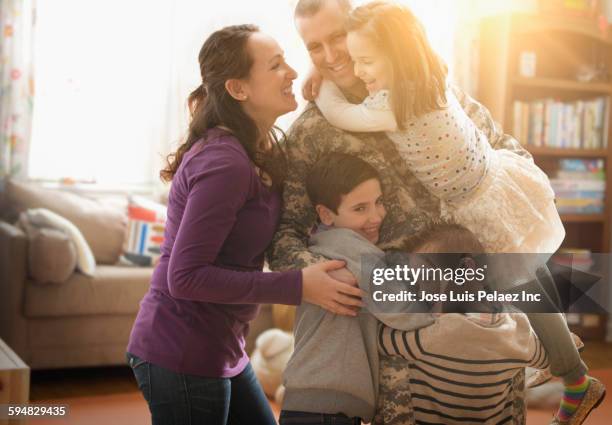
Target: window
x=101, y=90
x=112, y=78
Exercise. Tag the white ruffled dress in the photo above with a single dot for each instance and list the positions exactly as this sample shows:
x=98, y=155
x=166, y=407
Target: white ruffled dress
x=502, y=197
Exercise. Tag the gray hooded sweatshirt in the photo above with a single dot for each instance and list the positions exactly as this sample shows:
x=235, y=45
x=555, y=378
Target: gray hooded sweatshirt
x=334, y=367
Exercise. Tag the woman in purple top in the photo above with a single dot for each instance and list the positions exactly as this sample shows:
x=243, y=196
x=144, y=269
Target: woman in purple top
x=187, y=344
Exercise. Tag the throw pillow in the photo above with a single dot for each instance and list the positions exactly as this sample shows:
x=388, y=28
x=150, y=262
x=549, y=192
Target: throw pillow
x=52, y=256
x=41, y=217
x=146, y=225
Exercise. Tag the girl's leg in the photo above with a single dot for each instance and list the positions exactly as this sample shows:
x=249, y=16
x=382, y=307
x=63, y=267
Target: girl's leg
x=582, y=393
x=249, y=404
x=178, y=399
x=551, y=329
x=563, y=356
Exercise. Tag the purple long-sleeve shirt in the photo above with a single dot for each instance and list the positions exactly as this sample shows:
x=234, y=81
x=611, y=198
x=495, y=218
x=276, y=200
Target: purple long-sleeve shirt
x=208, y=283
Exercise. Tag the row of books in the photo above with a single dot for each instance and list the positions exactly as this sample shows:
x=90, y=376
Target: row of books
x=582, y=124
x=579, y=186
x=578, y=258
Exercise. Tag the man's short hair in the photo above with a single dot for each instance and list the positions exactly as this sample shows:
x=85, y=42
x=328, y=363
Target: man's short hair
x=307, y=8
x=336, y=175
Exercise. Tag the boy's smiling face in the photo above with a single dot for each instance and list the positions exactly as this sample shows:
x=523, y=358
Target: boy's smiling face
x=361, y=210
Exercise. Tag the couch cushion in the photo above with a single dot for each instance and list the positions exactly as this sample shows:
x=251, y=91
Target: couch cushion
x=52, y=256
x=43, y=218
x=112, y=290
x=103, y=227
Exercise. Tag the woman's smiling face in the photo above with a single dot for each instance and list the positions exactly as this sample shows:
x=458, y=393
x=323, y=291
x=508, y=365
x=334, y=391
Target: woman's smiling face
x=371, y=66
x=269, y=86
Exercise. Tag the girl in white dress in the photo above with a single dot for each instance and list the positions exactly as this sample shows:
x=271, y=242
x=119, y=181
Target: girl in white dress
x=500, y=196
x=504, y=199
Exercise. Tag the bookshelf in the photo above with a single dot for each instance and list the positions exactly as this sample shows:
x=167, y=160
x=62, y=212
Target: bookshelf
x=531, y=67
x=559, y=84
x=538, y=151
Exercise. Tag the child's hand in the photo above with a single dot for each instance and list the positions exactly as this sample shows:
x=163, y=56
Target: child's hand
x=311, y=85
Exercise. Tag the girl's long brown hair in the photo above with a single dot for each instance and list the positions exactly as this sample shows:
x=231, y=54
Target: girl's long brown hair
x=418, y=80
x=224, y=56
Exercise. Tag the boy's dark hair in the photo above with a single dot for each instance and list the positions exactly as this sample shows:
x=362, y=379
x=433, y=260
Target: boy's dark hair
x=445, y=238
x=446, y=245
x=335, y=175
x=452, y=245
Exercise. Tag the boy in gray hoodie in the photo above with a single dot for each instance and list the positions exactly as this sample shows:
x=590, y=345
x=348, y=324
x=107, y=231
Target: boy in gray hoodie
x=332, y=376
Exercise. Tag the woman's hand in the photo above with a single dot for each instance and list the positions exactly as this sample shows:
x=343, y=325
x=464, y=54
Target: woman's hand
x=319, y=288
x=343, y=275
x=311, y=85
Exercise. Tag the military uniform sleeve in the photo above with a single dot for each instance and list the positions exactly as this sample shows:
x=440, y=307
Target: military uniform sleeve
x=289, y=249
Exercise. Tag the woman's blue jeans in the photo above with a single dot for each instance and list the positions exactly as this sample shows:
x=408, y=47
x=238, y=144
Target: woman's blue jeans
x=180, y=399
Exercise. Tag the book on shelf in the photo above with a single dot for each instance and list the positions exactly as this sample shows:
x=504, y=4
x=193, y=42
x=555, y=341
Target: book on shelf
x=594, y=167
x=580, y=186
x=579, y=258
x=579, y=206
x=581, y=124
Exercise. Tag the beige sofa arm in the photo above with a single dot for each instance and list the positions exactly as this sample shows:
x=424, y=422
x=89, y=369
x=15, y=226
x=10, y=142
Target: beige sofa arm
x=13, y=274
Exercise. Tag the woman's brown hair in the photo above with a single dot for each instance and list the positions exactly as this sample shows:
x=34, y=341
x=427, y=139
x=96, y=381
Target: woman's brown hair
x=418, y=80
x=224, y=56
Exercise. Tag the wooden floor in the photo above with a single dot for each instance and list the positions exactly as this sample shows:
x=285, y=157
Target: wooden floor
x=597, y=354
x=118, y=380
x=101, y=396
x=71, y=383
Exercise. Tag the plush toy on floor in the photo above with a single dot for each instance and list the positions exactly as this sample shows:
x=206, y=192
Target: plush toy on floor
x=273, y=348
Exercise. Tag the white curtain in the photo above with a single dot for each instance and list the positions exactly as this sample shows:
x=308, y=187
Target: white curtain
x=16, y=85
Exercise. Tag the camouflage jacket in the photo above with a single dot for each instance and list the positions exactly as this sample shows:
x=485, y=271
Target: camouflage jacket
x=409, y=204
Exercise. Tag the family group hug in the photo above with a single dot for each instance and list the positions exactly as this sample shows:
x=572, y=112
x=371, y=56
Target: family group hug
x=388, y=157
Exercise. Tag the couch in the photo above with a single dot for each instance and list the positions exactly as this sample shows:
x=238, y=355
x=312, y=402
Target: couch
x=85, y=320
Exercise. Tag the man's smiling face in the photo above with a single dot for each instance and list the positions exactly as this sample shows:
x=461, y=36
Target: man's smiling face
x=325, y=38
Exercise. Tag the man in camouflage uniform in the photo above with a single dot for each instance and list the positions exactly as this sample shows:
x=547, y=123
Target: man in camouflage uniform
x=408, y=203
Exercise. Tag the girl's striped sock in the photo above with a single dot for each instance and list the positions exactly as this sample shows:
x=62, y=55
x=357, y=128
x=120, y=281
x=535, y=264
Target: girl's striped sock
x=572, y=396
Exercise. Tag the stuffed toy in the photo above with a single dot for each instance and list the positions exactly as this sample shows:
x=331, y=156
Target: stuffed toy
x=273, y=348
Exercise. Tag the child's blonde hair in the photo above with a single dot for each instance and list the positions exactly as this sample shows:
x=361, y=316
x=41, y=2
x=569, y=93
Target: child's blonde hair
x=418, y=79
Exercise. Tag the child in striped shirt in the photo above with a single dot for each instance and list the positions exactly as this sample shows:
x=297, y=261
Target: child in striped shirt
x=466, y=366
x=463, y=366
